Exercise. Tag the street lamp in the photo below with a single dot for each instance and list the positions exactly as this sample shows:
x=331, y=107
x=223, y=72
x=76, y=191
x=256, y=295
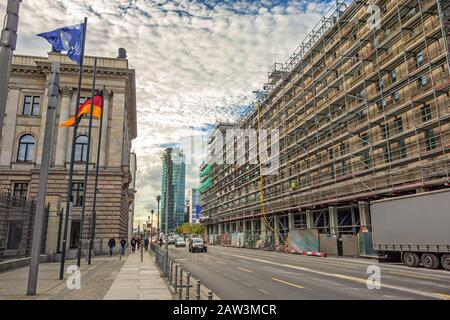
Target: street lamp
x=152, y=225
x=158, y=199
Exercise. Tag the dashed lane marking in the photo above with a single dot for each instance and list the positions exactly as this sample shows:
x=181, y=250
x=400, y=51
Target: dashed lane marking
x=246, y=270
x=344, y=277
x=288, y=283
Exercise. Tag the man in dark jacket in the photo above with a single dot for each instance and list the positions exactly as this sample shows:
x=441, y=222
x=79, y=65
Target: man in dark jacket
x=123, y=242
x=111, y=245
x=133, y=244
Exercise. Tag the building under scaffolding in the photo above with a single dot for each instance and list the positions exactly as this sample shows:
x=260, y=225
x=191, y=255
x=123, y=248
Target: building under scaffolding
x=363, y=109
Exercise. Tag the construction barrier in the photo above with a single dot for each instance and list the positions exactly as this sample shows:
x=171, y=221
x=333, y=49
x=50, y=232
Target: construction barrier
x=349, y=245
x=366, y=244
x=304, y=241
x=328, y=244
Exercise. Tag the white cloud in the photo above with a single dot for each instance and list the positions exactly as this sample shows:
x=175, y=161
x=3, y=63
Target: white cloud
x=189, y=56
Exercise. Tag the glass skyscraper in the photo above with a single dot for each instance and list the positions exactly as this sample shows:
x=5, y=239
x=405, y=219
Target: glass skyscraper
x=177, y=182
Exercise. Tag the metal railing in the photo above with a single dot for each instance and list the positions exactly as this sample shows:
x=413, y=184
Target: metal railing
x=182, y=282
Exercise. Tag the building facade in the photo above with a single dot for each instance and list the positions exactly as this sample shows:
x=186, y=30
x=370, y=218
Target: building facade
x=177, y=177
x=363, y=110
x=22, y=143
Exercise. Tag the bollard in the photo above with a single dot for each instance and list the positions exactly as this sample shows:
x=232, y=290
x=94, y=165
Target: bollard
x=210, y=295
x=188, y=284
x=197, y=296
x=175, y=283
x=180, y=292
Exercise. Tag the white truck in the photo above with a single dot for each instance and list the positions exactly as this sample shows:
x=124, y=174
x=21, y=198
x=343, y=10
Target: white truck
x=414, y=228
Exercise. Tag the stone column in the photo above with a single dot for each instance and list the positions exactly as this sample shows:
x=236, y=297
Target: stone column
x=364, y=214
x=9, y=129
x=263, y=228
x=276, y=223
x=117, y=130
x=105, y=143
x=252, y=226
x=291, y=220
x=244, y=226
x=53, y=225
x=61, y=140
x=309, y=219
x=220, y=228
x=332, y=211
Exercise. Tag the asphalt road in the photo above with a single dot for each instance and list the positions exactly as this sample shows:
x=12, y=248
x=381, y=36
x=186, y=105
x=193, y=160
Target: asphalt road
x=236, y=273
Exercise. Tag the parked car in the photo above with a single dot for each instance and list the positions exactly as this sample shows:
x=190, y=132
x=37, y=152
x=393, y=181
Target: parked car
x=180, y=243
x=197, y=245
x=170, y=240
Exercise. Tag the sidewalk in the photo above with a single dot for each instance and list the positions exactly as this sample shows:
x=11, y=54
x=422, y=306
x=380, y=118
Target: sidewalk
x=138, y=281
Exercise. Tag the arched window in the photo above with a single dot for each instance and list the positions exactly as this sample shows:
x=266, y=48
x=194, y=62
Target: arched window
x=81, y=147
x=26, y=148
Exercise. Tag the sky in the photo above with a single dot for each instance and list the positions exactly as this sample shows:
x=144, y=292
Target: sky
x=196, y=61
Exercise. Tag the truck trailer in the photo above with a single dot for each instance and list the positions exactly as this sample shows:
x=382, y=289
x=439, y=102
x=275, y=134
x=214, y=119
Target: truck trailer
x=415, y=228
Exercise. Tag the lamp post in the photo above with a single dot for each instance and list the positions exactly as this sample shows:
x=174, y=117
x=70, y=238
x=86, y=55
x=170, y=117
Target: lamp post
x=158, y=199
x=8, y=39
x=152, y=225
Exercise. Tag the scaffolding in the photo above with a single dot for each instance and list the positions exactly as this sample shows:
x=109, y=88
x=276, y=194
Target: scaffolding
x=363, y=113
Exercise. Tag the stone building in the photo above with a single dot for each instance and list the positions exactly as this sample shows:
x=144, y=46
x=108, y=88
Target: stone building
x=22, y=141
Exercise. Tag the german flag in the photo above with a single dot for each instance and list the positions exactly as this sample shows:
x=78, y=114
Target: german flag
x=85, y=109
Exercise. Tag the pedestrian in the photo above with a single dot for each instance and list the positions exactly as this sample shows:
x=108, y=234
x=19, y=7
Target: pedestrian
x=111, y=245
x=133, y=245
x=146, y=244
x=141, y=243
x=138, y=241
x=123, y=242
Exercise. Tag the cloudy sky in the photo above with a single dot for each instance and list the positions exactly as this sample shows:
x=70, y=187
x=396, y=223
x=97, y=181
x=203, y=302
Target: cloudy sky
x=197, y=61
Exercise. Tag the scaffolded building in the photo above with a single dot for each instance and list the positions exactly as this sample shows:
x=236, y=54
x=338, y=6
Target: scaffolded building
x=363, y=109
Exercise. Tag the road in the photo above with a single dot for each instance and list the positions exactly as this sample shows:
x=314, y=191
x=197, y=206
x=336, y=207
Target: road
x=238, y=274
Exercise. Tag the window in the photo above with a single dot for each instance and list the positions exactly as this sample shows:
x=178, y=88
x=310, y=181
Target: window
x=20, y=190
x=81, y=146
x=26, y=148
x=423, y=81
x=365, y=139
x=31, y=105
x=381, y=104
x=387, y=153
x=330, y=153
x=419, y=59
x=426, y=113
x=393, y=75
x=402, y=149
x=14, y=235
x=343, y=148
x=77, y=194
x=381, y=84
x=395, y=96
x=430, y=139
x=384, y=131
x=398, y=124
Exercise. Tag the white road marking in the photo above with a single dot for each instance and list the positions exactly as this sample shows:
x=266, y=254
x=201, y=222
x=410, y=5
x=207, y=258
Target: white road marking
x=344, y=277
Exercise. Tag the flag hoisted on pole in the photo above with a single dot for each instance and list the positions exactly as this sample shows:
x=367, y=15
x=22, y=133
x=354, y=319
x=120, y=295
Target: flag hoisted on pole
x=97, y=166
x=86, y=169
x=72, y=40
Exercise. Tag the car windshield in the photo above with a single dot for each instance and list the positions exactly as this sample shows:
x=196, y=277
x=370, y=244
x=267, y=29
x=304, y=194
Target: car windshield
x=198, y=241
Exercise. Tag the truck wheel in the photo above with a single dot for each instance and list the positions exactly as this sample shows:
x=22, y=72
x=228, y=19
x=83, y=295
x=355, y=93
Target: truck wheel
x=430, y=261
x=445, y=261
x=411, y=259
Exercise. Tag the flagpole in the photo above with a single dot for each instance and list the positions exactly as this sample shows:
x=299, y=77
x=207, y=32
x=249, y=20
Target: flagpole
x=86, y=168
x=94, y=206
x=72, y=157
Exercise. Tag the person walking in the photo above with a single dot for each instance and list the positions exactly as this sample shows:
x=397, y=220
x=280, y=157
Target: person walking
x=133, y=245
x=111, y=245
x=123, y=242
x=138, y=241
x=146, y=242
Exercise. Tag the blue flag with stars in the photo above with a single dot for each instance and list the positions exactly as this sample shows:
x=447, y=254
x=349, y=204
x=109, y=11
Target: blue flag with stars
x=67, y=39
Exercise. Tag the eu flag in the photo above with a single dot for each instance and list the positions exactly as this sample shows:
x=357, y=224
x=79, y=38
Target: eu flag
x=67, y=39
